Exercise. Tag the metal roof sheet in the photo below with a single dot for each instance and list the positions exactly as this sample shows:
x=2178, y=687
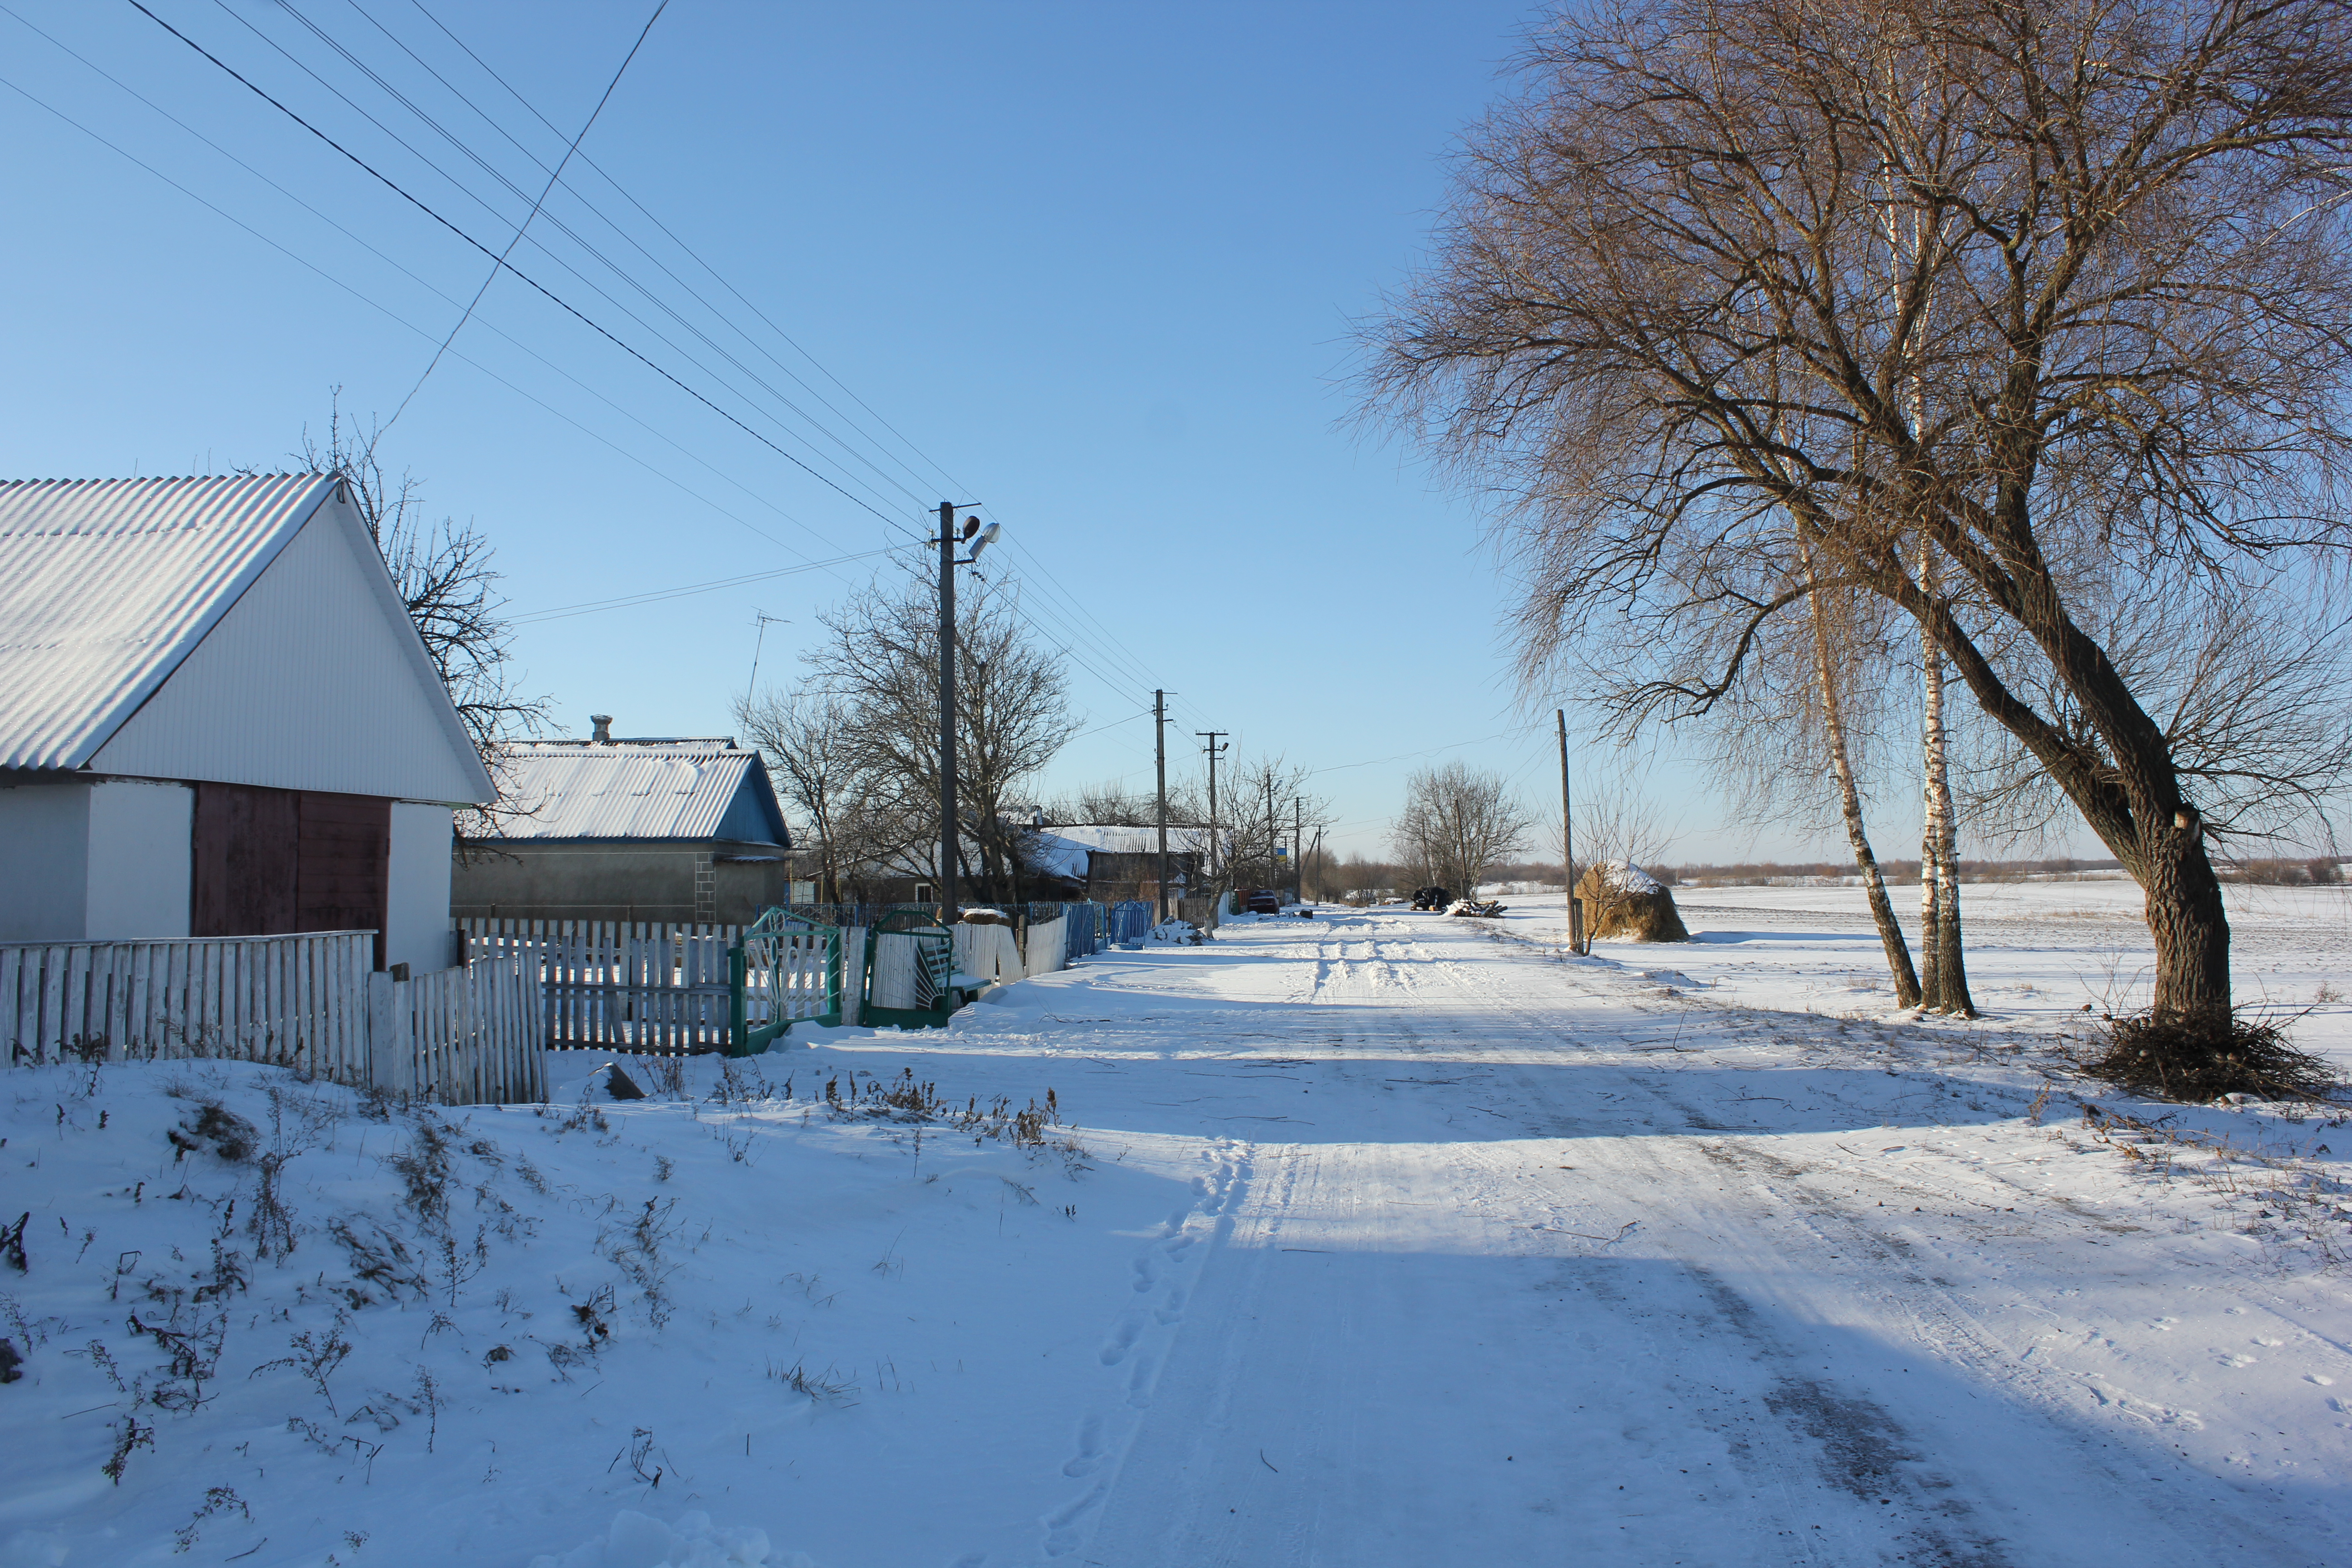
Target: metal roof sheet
x=1121, y=840
x=107, y=584
x=639, y=790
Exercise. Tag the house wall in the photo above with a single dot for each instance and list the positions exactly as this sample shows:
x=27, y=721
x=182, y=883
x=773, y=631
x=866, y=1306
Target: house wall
x=416, y=902
x=604, y=880
x=139, y=860
x=103, y=860
x=44, y=861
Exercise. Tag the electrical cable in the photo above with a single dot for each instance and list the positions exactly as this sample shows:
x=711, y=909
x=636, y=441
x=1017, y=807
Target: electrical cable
x=785, y=337
x=518, y=192
x=570, y=310
x=545, y=191
x=430, y=288
x=399, y=319
x=631, y=601
x=556, y=222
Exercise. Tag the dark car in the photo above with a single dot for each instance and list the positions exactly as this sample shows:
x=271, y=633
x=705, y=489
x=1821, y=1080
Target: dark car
x=1432, y=897
x=1263, y=902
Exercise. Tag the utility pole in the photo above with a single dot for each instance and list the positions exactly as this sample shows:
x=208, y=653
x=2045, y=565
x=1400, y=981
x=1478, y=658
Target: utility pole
x=1213, y=748
x=1298, y=851
x=1160, y=761
x=951, y=841
x=948, y=834
x=1568, y=841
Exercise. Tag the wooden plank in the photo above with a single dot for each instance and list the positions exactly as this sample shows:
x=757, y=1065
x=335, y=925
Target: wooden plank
x=12, y=976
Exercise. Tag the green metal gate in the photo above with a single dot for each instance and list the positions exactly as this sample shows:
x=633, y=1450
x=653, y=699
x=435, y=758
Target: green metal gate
x=785, y=971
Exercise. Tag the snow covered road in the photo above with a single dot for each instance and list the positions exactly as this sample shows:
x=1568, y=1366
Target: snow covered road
x=1521, y=1261
x=1376, y=1240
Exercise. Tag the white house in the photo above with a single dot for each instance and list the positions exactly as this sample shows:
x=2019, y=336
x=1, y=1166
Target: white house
x=216, y=719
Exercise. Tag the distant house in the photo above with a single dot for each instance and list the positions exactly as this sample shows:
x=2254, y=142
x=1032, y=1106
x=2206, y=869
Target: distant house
x=1110, y=863
x=683, y=829
x=216, y=719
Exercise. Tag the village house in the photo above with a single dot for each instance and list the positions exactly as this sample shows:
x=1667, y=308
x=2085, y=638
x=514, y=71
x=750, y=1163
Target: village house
x=653, y=828
x=217, y=720
x=1109, y=863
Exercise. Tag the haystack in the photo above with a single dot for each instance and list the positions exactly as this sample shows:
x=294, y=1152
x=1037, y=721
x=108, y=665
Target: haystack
x=1624, y=902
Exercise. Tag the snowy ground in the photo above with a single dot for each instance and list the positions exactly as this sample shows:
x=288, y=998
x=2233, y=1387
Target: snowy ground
x=2037, y=951
x=1380, y=1240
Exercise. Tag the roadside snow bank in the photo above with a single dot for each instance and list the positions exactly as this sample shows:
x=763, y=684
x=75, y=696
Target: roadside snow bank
x=638, y=1541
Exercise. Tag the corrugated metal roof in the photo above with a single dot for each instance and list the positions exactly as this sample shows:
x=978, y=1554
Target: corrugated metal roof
x=1121, y=840
x=107, y=584
x=664, y=789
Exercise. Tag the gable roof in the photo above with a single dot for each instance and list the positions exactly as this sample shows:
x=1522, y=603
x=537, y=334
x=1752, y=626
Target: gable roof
x=242, y=629
x=695, y=789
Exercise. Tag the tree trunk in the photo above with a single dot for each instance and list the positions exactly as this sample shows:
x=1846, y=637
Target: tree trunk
x=1945, y=984
x=2186, y=918
x=1882, y=909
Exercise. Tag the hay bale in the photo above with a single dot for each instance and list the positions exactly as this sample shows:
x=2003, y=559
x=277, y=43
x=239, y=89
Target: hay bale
x=1626, y=902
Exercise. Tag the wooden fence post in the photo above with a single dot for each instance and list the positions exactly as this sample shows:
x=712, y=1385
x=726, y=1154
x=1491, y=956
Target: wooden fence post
x=391, y=1043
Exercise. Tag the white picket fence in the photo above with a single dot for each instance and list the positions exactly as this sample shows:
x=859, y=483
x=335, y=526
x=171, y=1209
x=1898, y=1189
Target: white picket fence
x=312, y=1002
x=625, y=985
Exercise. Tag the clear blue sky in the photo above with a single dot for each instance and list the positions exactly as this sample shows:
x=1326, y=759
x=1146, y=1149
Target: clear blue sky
x=1096, y=262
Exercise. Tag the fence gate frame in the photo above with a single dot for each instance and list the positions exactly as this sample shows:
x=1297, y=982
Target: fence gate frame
x=778, y=949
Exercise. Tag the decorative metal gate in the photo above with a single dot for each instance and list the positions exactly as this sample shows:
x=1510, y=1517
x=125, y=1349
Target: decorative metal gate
x=785, y=971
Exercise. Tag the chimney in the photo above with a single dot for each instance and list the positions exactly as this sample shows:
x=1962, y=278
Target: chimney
x=604, y=735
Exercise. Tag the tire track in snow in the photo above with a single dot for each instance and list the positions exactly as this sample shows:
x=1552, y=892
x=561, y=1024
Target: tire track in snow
x=1862, y=1446
x=1166, y=1271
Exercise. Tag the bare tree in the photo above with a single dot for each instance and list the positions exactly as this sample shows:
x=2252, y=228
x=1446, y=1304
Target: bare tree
x=857, y=822
x=1458, y=821
x=1263, y=804
x=442, y=570
x=880, y=665
x=1665, y=314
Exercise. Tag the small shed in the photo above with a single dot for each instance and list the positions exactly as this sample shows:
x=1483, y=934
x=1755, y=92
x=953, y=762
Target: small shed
x=660, y=829
x=216, y=719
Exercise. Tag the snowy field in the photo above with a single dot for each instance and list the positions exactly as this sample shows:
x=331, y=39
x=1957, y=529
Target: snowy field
x=1376, y=1239
x=2037, y=952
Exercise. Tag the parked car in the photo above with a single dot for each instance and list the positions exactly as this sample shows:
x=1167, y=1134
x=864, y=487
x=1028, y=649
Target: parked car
x=1263, y=902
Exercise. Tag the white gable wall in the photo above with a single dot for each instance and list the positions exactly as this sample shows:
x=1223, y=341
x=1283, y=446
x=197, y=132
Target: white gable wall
x=313, y=680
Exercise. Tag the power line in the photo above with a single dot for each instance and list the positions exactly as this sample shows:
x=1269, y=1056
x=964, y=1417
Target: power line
x=611, y=266
x=631, y=601
x=1073, y=619
x=545, y=191
x=487, y=167
x=745, y=301
x=409, y=273
x=399, y=319
x=557, y=300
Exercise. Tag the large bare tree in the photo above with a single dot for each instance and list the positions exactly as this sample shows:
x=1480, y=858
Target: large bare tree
x=2009, y=305
x=878, y=664
x=1457, y=822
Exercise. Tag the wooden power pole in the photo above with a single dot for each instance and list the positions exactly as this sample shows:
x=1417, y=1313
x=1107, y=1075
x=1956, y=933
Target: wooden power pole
x=1159, y=763
x=948, y=834
x=1212, y=749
